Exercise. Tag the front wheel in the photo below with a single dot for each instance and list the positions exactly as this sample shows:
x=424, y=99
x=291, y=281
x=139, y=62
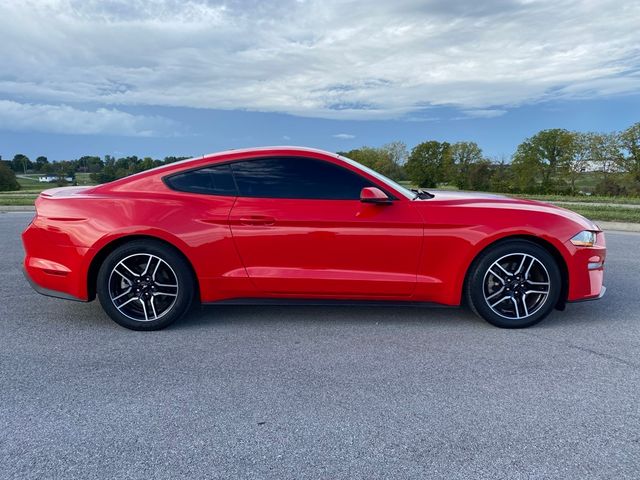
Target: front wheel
x=145, y=285
x=514, y=284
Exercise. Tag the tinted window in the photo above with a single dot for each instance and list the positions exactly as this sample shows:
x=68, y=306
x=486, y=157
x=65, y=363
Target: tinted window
x=210, y=180
x=295, y=177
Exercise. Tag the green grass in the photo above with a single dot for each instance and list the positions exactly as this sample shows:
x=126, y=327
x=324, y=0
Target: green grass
x=608, y=213
x=583, y=199
x=13, y=199
x=83, y=179
x=34, y=185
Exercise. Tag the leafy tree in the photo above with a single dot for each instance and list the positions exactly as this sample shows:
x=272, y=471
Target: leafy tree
x=464, y=156
x=630, y=162
x=543, y=159
x=91, y=164
x=480, y=175
x=398, y=152
x=502, y=176
x=173, y=159
x=41, y=163
x=146, y=164
x=605, y=152
x=429, y=164
x=21, y=163
x=108, y=172
x=378, y=159
x=580, y=161
x=606, y=157
x=8, y=179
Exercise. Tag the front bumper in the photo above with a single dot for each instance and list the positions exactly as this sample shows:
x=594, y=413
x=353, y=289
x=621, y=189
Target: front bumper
x=586, y=271
x=603, y=290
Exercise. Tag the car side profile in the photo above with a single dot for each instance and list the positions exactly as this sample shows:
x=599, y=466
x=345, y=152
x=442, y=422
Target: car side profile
x=288, y=224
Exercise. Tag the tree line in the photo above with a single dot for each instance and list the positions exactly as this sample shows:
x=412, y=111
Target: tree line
x=101, y=170
x=553, y=161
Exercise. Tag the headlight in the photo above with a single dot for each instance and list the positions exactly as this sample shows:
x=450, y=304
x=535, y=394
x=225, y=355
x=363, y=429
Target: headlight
x=584, y=239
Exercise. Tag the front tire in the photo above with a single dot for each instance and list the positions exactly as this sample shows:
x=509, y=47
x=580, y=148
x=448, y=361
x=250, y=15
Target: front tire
x=514, y=284
x=145, y=285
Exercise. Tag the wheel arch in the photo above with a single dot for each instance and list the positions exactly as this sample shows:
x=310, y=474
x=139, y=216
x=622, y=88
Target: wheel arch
x=541, y=242
x=105, y=250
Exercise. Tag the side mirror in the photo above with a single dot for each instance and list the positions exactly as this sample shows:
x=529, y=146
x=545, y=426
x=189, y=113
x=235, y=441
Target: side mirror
x=373, y=195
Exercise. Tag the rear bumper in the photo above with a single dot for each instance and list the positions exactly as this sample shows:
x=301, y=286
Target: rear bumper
x=52, y=267
x=48, y=292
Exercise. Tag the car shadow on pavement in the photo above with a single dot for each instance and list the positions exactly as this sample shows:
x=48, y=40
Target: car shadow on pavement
x=325, y=315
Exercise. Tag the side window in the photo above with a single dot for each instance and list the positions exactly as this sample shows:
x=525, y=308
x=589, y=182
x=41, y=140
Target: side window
x=297, y=177
x=216, y=180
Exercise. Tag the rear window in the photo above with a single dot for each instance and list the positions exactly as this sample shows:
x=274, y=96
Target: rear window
x=217, y=180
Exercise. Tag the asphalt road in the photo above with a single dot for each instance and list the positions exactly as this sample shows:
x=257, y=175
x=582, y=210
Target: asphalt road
x=309, y=392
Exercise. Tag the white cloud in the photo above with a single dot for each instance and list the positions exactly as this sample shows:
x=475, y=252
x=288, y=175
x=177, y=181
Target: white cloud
x=65, y=119
x=344, y=136
x=319, y=58
x=484, y=113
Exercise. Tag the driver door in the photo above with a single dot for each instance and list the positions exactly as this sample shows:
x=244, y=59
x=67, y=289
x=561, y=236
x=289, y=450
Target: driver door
x=301, y=229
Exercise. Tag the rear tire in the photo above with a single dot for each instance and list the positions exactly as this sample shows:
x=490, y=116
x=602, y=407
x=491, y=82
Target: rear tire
x=145, y=285
x=514, y=284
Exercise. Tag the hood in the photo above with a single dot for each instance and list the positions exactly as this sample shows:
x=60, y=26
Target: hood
x=498, y=202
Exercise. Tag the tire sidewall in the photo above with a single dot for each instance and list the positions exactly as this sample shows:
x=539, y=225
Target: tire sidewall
x=174, y=259
x=476, y=278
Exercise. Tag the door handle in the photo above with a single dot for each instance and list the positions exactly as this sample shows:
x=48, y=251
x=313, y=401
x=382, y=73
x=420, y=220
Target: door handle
x=257, y=220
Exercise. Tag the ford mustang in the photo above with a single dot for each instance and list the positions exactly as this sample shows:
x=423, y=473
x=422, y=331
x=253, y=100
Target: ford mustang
x=295, y=225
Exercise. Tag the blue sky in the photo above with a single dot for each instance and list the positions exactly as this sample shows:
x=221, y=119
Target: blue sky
x=168, y=77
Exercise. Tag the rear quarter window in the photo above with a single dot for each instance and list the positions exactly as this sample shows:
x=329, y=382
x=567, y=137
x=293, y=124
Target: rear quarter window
x=217, y=180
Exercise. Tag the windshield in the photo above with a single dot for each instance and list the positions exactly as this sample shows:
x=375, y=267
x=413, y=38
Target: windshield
x=395, y=185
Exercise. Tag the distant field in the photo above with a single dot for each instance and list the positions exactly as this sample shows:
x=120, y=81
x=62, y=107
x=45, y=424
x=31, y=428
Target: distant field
x=32, y=184
x=31, y=188
x=17, y=199
x=30, y=181
x=607, y=213
x=83, y=179
x=583, y=199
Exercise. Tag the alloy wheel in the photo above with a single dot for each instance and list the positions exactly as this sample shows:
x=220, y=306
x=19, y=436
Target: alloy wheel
x=143, y=287
x=516, y=286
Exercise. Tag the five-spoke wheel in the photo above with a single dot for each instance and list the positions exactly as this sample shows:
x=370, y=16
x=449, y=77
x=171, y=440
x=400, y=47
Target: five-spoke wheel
x=514, y=284
x=145, y=285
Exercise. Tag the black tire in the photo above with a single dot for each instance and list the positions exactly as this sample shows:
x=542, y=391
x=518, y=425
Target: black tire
x=483, y=288
x=136, y=309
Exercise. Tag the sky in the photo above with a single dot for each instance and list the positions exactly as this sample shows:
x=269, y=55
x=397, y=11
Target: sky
x=189, y=77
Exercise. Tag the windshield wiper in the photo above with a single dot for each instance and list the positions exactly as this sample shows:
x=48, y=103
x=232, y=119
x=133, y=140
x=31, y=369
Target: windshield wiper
x=421, y=193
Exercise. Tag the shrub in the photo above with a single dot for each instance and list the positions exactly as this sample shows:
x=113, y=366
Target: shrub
x=8, y=179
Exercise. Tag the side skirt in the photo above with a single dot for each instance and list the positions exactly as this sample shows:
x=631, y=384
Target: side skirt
x=326, y=303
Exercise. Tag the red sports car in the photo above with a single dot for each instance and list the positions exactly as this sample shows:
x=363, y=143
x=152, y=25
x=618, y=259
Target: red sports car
x=284, y=224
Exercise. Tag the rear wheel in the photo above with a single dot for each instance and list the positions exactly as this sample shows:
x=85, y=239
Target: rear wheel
x=145, y=285
x=515, y=284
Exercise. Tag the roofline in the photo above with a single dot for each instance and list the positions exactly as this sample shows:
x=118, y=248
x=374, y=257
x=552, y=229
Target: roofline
x=290, y=148
x=168, y=167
